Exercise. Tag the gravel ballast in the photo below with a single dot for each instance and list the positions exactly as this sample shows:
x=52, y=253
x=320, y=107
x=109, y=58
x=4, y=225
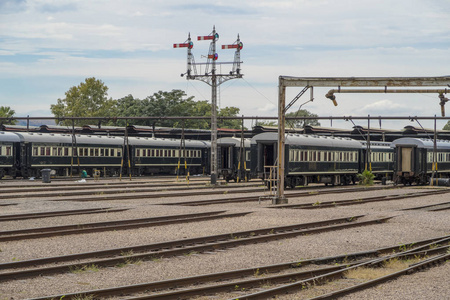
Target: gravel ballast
x=404, y=227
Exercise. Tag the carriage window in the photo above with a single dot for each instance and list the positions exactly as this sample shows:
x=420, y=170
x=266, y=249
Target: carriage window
x=35, y=151
x=102, y=152
x=8, y=151
x=107, y=152
x=91, y=152
x=96, y=151
x=137, y=152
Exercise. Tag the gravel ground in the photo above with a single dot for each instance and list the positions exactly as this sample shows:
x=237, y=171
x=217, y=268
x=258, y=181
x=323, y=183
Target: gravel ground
x=406, y=226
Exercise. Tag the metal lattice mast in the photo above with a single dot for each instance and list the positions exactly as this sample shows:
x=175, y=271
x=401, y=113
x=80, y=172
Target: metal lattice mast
x=213, y=79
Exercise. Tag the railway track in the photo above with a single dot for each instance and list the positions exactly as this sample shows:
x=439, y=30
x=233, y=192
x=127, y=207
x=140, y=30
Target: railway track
x=239, y=281
x=98, y=195
x=144, y=186
x=120, y=256
x=38, y=215
x=327, y=204
x=288, y=194
x=43, y=232
x=431, y=207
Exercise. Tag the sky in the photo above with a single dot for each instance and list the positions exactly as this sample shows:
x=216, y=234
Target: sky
x=48, y=46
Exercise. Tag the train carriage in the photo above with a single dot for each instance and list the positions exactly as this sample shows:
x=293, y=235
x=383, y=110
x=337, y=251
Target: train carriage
x=413, y=160
x=61, y=153
x=234, y=158
x=381, y=160
x=9, y=153
x=309, y=159
x=168, y=156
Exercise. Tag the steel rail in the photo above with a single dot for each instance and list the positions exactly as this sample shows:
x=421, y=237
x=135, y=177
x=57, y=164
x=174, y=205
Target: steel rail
x=430, y=206
x=84, y=186
x=43, y=232
x=295, y=287
x=243, y=285
x=37, y=215
x=178, y=247
x=426, y=264
x=123, y=196
x=327, y=204
x=229, y=275
x=118, y=192
x=175, y=243
x=292, y=194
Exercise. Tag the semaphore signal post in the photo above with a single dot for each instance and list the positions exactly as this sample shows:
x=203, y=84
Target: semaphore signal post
x=213, y=79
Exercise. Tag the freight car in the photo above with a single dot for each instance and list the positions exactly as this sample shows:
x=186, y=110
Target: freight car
x=413, y=160
x=309, y=158
x=234, y=158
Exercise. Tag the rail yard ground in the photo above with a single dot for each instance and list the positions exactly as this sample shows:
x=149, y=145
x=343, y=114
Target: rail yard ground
x=402, y=221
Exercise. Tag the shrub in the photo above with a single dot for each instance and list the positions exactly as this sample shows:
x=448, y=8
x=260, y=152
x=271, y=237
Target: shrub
x=366, y=178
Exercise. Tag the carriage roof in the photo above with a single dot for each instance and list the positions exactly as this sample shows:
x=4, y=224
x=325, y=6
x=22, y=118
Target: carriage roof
x=421, y=143
x=308, y=140
x=57, y=138
x=233, y=141
x=9, y=137
x=160, y=142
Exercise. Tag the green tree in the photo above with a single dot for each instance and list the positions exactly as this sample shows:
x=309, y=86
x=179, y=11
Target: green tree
x=129, y=106
x=88, y=99
x=7, y=112
x=229, y=112
x=174, y=104
x=294, y=123
x=447, y=126
x=168, y=104
x=301, y=123
x=267, y=123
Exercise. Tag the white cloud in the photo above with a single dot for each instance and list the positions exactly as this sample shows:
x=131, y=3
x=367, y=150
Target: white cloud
x=129, y=44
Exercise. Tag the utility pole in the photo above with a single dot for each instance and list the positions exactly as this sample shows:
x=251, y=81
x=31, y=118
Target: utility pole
x=213, y=79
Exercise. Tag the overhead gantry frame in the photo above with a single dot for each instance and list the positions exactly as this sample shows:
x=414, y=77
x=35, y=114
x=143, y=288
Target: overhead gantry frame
x=338, y=82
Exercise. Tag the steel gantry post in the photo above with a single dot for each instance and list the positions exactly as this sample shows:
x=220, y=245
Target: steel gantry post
x=380, y=82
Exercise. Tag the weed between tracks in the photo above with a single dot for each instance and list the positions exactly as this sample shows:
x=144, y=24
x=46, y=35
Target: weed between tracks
x=83, y=297
x=391, y=266
x=84, y=268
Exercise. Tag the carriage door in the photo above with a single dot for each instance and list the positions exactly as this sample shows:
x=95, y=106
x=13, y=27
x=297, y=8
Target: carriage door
x=225, y=157
x=406, y=159
x=269, y=156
